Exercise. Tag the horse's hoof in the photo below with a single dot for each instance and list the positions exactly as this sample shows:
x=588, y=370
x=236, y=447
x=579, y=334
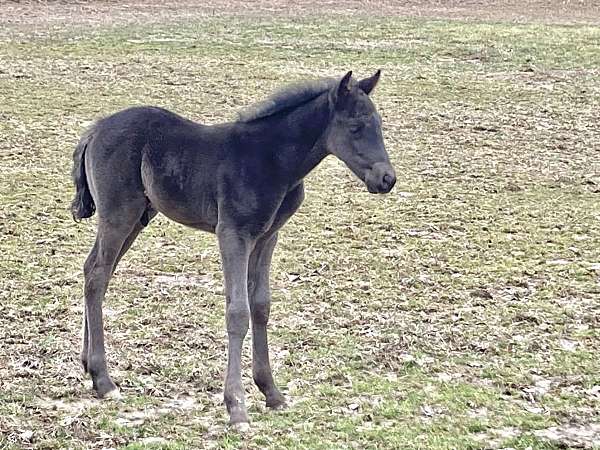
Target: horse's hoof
x=105, y=388
x=280, y=407
x=240, y=427
x=114, y=394
x=277, y=404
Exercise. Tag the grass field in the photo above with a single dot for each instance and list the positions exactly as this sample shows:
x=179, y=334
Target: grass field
x=460, y=311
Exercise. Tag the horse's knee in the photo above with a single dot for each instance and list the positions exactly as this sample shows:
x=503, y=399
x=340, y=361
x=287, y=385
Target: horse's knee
x=261, y=313
x=261, y=309
x=238, y=320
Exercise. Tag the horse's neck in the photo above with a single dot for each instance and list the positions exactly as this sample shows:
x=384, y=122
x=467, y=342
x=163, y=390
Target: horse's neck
x=305, y=146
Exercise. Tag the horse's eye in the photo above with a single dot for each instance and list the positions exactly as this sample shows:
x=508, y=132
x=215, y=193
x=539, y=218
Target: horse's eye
x=356, y=129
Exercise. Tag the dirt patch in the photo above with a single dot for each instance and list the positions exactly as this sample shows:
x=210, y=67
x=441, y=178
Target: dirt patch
x=577, y=436
x=566, y=436
x=48, y=14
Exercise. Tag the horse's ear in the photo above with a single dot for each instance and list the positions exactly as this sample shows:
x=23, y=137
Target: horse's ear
x=344, y=86
x=368, y=84
x=339, y=94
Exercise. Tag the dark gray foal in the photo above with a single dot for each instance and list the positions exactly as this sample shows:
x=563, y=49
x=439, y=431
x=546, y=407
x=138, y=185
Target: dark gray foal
x=240, y=180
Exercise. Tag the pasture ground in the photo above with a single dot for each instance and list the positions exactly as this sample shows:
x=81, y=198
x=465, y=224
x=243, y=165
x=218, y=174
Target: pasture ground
x=460, y=311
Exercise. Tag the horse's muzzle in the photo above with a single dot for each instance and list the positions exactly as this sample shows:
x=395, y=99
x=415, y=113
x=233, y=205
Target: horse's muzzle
x=381, y=178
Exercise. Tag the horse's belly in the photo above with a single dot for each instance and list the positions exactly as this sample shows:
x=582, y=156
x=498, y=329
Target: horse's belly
x=188, y=218
x=179, y=197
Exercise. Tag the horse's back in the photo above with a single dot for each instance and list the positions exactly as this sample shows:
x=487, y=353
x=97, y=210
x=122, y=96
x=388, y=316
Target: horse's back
x=130, y=129
x=115, y=148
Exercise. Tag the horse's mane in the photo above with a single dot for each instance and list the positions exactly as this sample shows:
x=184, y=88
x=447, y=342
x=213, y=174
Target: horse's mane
x=287, y=97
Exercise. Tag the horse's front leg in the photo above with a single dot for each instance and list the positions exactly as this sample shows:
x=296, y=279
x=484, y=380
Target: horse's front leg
x=260, y=305
x=235, y=251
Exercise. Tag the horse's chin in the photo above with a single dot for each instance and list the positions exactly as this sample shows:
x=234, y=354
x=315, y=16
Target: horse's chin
x=372, y=189
x=376, y=188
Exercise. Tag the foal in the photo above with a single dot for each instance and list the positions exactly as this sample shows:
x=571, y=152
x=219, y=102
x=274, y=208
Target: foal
x=240, y=180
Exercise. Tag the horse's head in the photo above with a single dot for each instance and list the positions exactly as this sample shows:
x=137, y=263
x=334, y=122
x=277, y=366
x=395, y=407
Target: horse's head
x=354, y=134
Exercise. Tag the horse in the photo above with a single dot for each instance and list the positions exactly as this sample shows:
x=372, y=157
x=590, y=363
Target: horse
x=240, y=180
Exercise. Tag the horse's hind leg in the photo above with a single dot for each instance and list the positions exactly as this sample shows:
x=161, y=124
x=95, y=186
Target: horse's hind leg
x=138, y=227
x=85, y=347
x=98, y=270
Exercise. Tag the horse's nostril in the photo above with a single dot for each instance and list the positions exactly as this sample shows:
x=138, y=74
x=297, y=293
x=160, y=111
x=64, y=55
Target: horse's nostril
x=387, y=183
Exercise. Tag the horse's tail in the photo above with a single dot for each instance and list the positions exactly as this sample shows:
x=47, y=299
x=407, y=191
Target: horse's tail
x=83, y=205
